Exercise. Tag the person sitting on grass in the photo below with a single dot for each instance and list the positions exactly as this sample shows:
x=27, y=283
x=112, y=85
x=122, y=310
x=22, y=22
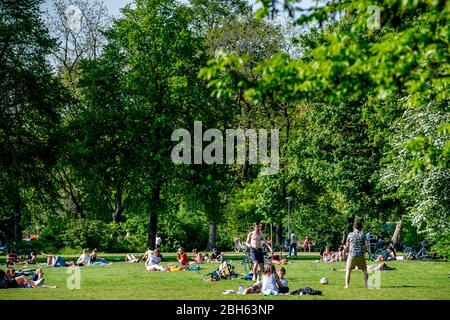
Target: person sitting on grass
x=276, y=259
x=327, y=255
x=154, y=262
x=93, y=256
x=390, y=255
x=340, y=255
x=33, y=260
x=94, y=260
x=84, y=259
x=147, y=255
x=216, y=255
x=182, y=257
x=270, y=280
x=11, y=258
x=198, y=258
x=283, y=289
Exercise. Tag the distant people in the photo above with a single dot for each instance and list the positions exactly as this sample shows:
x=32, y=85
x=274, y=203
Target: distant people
x=93, y=256
x=254, y=241
x=327, y=255
x=95, y=259
x=147, y=254
x=306, y=245
x=131, y=259
x=182, y=257
x=154, y=261
x=198, y=257
x=11, y=258
x=356, y=246
x=389, y=255
x=216, y=255
x=56, y=261
x=32, y=260
x=158, y=242
x=84, y=259
x=293, y=245
x=340, y=255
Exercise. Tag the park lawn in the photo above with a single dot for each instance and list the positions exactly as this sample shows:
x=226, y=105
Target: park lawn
x=411, y=280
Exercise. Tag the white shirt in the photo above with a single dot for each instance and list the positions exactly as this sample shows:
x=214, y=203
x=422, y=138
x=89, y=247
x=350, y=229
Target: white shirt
x=84, y=259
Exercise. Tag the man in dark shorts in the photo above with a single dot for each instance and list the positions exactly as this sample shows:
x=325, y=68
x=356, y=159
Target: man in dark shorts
x=254, y=242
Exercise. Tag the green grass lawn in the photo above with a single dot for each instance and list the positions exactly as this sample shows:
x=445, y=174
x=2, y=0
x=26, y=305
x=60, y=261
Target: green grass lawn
x=411, y=280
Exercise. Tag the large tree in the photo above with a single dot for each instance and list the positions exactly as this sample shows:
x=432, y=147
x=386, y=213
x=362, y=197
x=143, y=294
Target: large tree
x=29, y=98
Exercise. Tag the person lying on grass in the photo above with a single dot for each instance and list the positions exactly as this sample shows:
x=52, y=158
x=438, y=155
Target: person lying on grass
x=58, y=261
x=9, y=280
x=131, y=258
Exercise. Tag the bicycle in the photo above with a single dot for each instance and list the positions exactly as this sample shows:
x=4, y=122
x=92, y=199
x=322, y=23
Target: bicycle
x=422, y=254
x=239, y=246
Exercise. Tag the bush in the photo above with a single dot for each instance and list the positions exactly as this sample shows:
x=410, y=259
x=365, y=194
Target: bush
x=86, y=234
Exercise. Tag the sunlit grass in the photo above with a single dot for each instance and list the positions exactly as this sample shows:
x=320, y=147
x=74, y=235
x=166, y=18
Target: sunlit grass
x=411, y=280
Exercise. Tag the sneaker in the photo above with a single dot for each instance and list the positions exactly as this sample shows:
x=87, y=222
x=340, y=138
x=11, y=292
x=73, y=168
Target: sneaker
x=38, y=283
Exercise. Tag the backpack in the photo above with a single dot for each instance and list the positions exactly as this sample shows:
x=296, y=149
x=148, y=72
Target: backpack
x=307, y=290
x=225, y=270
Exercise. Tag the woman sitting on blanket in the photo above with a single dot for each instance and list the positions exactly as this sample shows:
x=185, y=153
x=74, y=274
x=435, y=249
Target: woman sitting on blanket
x=154, y=262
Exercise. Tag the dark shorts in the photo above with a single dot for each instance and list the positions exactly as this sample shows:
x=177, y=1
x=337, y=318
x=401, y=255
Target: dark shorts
x=256, y=255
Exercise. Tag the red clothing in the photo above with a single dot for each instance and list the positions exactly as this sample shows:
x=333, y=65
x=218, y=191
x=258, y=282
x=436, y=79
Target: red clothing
x=183, y=259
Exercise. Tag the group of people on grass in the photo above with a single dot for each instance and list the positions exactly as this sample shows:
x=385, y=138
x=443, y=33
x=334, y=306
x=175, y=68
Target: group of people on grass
x=12, y=279
x=266, y=279
x=85, y=259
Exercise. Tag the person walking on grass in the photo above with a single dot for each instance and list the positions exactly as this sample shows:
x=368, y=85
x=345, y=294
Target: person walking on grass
x=254, y=242
x=356, y=247
x=293, y=245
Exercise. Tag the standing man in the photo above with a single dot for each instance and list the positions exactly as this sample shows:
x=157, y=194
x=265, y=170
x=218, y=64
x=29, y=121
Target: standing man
x=356, y=247
x=157, y=242
x=293, y=245
x=254, y=241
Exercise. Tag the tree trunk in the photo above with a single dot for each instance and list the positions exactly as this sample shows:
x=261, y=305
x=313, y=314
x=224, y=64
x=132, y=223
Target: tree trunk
x=396, y=235
x=212, y=237
x=153, y=217
x=17, y=217
x=118, y=208
x=279, y=236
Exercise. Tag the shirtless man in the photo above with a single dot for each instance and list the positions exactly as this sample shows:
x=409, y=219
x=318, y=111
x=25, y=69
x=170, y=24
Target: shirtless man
x=254, y=241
